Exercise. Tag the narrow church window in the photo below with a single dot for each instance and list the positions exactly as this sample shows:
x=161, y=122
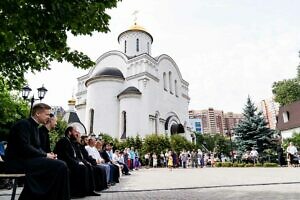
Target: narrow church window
x=170, y=82
x=124, y=125
x=165, y=81
x=91, y=121
x=175, y=85
x=137, y=45
x=125, y=46
x=156, y=122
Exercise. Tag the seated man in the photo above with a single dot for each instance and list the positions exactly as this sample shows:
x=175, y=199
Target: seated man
x=105, y=154
x=46, y=177
x=100, y=171
x=81, y=173
x=44, y=133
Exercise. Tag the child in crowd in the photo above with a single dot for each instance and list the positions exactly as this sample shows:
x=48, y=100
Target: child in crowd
x=154, y=159
x=170, y=160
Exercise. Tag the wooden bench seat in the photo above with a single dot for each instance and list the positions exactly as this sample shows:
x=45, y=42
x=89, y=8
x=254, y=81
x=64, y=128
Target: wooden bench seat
x=14, y=178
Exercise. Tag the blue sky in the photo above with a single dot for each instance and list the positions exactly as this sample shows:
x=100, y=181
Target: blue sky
x=225, y=49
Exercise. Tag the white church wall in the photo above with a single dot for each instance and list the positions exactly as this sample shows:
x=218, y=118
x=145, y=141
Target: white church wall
x=131, y=106
x=131, y=43
x=101, y=97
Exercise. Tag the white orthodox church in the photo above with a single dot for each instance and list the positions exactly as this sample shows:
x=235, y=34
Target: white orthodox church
x=129, y=92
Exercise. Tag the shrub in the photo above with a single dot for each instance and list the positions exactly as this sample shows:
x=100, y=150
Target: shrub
x=235, y=165
x=218, y=164
x=227, y=164
x=249, y=165
x=258, y=165
x=270, y=165
x=241, y=164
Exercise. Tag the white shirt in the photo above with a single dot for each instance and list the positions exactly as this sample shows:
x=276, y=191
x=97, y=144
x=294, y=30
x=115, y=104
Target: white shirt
x=254, y=153
x=292, y=150
x=93, y=152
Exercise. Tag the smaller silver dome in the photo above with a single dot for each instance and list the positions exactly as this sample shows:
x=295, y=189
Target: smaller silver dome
x=109, y=71
x=130, y=90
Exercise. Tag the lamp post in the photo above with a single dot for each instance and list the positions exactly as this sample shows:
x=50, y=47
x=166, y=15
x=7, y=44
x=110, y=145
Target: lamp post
x=41, y=94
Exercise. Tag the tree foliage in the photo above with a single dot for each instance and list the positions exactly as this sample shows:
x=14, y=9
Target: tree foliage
x=252, y=131
x=12, y=109
x=178, y=143
x=34, y=33
x=295, y=139
x=58, y=132
x=214, y=143
x=156, y=144
x=288, y=90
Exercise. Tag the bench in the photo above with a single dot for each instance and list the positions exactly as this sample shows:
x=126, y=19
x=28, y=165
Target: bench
x=14, y=178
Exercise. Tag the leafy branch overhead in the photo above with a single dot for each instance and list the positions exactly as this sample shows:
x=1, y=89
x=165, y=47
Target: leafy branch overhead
x=287, y=91
x=34, y=33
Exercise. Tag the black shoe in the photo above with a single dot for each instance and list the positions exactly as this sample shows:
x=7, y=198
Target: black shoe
x=127, y=174
x=94, y=194
x=111, y=183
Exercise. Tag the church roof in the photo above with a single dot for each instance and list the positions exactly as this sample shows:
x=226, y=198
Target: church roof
x=109, y=71
x=130, y=90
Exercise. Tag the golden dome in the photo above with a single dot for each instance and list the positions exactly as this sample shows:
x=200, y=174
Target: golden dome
x=136, y=27
x=72, y=102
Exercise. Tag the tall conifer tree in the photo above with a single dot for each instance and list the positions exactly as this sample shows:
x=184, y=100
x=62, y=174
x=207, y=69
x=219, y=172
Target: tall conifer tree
x=252, y=131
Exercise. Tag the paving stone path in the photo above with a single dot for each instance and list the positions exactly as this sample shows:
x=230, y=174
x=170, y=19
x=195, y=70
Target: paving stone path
x=204, y=184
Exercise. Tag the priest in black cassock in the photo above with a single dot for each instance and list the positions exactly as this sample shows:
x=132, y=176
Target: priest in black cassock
x=44, y=133
x=46, y=177
x=81, y=173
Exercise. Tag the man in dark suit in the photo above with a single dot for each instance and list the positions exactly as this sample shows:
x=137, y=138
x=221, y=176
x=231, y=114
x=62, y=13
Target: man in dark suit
x=105, y=154
x=81, y=173
x=46, y=178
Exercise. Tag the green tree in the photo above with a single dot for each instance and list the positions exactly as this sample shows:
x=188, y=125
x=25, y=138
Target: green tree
x=178, y=143
x=107, y=138
x=295, y=139
x=138, y=143
x=58, y=132
x=155, y=143
x=286, y=91
x=34, y=33
x=12, y=109
x=214, y=142
x=252, y=131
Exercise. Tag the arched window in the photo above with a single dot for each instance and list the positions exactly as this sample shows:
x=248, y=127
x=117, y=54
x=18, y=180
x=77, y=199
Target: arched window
x=123, y=125
x=137, y=45
x=156, y=122
x=125, y=46
x=165, y=80
x=91, y=121
x=176, y=89
x=286, y=116
x=170, y=82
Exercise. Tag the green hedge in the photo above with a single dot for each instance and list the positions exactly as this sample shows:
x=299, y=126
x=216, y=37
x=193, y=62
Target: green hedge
x=270, y=165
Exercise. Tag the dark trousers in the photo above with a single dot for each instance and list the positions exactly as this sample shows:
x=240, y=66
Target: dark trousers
x=100, y=177
x=81, y=180
x=45, y=178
